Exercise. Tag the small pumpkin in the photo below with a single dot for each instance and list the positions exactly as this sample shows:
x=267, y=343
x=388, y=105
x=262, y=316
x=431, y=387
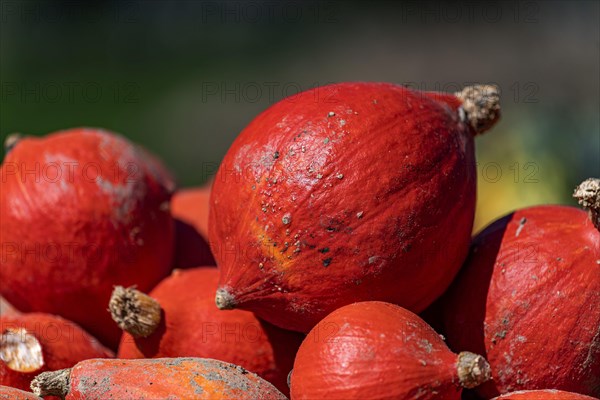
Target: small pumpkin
x=376, y=350
x=179, y=318
x=346, y=193
x=528, y=298
x=33, y=343
x=82, y=210
x=160, y=378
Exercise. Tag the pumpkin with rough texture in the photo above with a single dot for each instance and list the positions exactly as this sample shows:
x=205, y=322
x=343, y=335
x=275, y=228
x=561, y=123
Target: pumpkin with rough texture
x=376, y=350
x=10, y=393
x=179, y=318
x=82, y=210
x=33, y=343
x=528, y=299
x=189, y=208
x=160, y=378
x=346, y=193
x=548, y=394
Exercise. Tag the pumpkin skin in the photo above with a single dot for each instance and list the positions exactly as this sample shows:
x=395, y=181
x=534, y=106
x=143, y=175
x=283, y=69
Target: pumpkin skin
x=189, y=208
x=98, y=216
x=345, y=193
x=63, y=344
x=193, y=327
x=10, y=393
x=543, y=395
x=534, y=268
x=162, y=378
x=376, y=350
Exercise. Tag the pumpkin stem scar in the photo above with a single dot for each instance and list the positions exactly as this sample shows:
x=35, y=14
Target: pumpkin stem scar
x=473, y=370
x=480, y=106
x=53, y=383
x=224, y=300
x=588, y=195
x=134, y=312
x=21, y=351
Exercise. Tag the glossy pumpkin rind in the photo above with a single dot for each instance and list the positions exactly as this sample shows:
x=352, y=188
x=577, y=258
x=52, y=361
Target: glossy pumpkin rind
x=186, y=378
x=345, y=193
x=375, y=350
x=528, y=299
x=192, y=326
x=63, y=344
x=82, y=210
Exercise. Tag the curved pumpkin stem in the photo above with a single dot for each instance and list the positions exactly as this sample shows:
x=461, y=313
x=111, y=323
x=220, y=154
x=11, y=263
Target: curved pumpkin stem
x=473, y=370
x=588, y=195
x=134, y=312
x=224, y=300
x=480, y=106
x=53, y=383
x=11, y=140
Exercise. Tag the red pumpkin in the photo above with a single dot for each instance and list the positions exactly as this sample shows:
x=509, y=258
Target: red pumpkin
x=33, y=343
x=82, y=210
x=180, y=378
x=543, y=395
x=529, y=300
x=180, y=319
x=376, y=350
x=189, y=207
x=10, y=393
x=345, y=193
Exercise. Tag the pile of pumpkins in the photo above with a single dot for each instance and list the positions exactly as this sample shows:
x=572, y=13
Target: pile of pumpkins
x=330, y=257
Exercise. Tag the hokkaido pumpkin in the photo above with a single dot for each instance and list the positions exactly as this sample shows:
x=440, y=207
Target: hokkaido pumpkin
x=161, y=378
x=346, y=193
x=82, y=210
x=33, y=343
x=376, y=350
x=179, y=318
x=528, y=299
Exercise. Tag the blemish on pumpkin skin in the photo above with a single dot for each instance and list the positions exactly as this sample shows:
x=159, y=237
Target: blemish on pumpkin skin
x=327, y=262
x=522, y=223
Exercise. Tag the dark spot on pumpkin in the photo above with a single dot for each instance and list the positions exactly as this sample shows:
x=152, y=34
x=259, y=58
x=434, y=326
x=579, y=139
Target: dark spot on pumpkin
x=326, y=262
x=276, y=155
x=324, y=250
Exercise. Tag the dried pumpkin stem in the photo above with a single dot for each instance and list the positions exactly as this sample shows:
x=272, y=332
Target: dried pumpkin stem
x=134, y=312
x=224, y=299
x=53, y=383
x=21, y=351
x=480, y=106
x=588, y=195
x=11, y=140
x=473, y=370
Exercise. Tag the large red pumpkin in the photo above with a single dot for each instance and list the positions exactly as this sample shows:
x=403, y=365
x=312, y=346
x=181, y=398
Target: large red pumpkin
x=375, y=350
x=82, y=210
x=33, y=343
x=528, y=299
x=179, y=319
x=349, y=192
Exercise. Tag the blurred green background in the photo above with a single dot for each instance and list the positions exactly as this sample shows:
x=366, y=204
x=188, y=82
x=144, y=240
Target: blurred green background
x=183, y=78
